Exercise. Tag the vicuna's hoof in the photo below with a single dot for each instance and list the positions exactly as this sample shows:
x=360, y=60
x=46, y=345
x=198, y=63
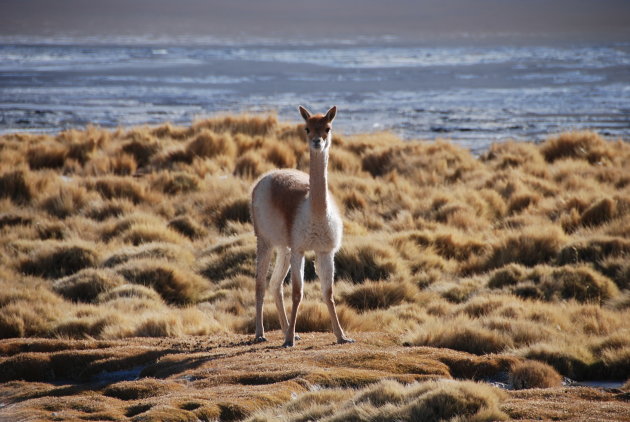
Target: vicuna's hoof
x=260, y=339
x=288, y=344
x=344, y=340
x=297, y=337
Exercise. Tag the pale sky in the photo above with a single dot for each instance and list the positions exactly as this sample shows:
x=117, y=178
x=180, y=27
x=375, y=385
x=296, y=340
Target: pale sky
x=405, y=19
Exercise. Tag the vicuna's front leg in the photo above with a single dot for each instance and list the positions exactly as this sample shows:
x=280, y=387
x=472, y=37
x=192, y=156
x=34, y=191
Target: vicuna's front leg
x=326, y=271
x=263, y=256
x=283, y=260
x=297, y=284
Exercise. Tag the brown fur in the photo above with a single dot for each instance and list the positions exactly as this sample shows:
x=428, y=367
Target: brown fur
x=288, y=189
x=317, y=126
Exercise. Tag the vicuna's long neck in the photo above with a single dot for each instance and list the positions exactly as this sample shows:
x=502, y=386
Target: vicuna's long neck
x=319, y=183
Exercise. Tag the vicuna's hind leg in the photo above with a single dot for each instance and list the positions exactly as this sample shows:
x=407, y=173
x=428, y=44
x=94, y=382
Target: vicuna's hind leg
x=280, y=270
x=263, y=256
x=326, y=271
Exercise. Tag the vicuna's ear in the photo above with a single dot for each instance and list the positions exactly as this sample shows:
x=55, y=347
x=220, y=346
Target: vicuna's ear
x=330, y=116
x=305, y=113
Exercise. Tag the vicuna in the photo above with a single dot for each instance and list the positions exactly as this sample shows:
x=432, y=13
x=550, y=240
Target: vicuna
x=293, y=212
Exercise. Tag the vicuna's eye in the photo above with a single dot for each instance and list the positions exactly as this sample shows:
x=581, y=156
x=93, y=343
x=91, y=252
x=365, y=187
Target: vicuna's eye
x=327, y=129
x=307, y=130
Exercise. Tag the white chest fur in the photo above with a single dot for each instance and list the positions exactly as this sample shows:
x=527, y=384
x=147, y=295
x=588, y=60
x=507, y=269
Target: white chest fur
x=317, y=234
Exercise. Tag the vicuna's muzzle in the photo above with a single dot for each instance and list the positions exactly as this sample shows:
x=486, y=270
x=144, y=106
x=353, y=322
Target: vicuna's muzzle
x=317, y=143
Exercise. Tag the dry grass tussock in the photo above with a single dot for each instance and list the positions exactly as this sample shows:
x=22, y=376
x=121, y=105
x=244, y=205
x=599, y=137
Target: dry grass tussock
x=146, y=232
x=532, y=374
x=390, y=400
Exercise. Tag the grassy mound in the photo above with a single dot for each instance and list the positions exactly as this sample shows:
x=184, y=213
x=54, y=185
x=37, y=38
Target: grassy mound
x=390, y=400
x=59, y=259
x=87, y=285
x=532, y=374
x=174, y=284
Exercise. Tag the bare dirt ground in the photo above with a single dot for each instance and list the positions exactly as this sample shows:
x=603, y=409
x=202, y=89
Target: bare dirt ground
x=228, y=378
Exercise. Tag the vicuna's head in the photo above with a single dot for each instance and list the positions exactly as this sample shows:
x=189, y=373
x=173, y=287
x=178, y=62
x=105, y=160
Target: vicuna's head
x=318, y=128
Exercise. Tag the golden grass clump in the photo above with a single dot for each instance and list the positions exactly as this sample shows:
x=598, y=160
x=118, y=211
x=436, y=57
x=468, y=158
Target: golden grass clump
x=442, y=400
x=512, y=154
x=27, y=367
x=532, y=374
x=481, y=306
x=530, y=246
x=234, y=257
x=137, y=229
x=616, y=363
x=599, y=213
x=81, y=150
x=281, y=156
x=243, y=124
x=309, y=406
x=580, y=283
x=139, y=234
x=440, y=162
x=573, y=362
x=461, y=334
x=453, y=245
x=175, y=285
x=87, y=284
x=208, y=144
x=141, y=389
x=116, y=187
x=186, y=322
x=593, y=249
x=14, y=186
x=173, y=183
x=543, y=282
x=508, y=275
x=167, y=130
x=59, y=259
x=130, y=291
x=379, y=295
x=141, y=148
x=119, y=164
x=153, y=250
x=66, y=201
x=313, y=316
x=102, y=210
x=361, y=260
x=237, y=210
x=11, y=220
x=250, y=165
x=577, y=145
x=81, y=143
x=83, y=324
x=29, y=309
x=618, y=270
x=390, y=400
x=50, y=155
x=188, y=227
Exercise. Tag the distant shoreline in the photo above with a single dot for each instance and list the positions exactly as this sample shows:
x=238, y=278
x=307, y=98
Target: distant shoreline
x=463, y=39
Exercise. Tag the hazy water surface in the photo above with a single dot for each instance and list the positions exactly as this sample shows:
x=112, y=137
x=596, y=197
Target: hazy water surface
x=473, y=95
